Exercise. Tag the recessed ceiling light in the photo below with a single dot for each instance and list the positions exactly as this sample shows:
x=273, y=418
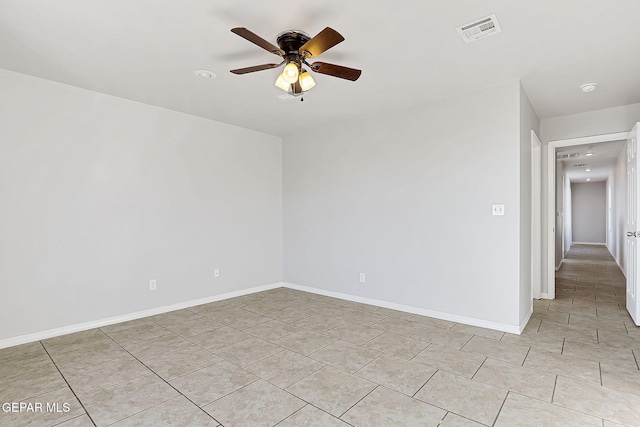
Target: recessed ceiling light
x=588, y=179
x=588, y=87
x=589, y=154
x=205, y=74
x=587, y=170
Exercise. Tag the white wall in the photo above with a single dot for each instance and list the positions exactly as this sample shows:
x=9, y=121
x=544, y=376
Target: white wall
x=588, y=212
x=567, y=215
x=560, y=211
x=599, y=122
x=406, y=198
x=528, y=121
x=620, y=209
x=100, y=194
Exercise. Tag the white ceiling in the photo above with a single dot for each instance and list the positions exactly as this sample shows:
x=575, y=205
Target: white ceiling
x=409, y=51
x=602, y=162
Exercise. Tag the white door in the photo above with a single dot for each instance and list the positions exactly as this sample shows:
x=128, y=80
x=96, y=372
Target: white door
x=633, y=232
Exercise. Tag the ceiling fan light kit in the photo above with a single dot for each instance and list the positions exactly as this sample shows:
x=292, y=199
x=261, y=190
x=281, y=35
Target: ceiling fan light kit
x=295, y=47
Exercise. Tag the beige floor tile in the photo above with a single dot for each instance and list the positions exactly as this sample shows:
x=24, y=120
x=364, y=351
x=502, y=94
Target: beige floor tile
x=475, y=330
x=23, y=351
x=54, y=416
x=600, y=353
x=431, y=321
x=310, y=416
x=75, y=341
x=248, y=351
x=560, y=364
x=194, y=327
x=184, y=361
x=552, y=316
x=125, y=325
x=81, y=421
x=471, y=399
x=88, y=356
x=284, y=369
x=568, y=307
x=156, y=347
x=620, y=340
x=456, y=362
x=363, y=318
x=272, y=330
x=602, y=402
x=290, y=314
x=175, y=317
x=305, y=342
x=258, y=404
x=319, y=323
x=245, y=320
x=573, y=332
x=23, y=364
x=599, y=323
x=355, y=334
x=175, y=412
x=548, y=343
x=345, y=356
x=123, y=400
x=331, y=390
x=213, y=382
x=397, y=345
x=620, y=377
x=399, y=326
x=219, y=338
x=507, y=352
x=384, y=407
x=606, y=423
x=523, y=411
x=33, y=383
x=445, y=337
x=541, y=304
x=453, y=420
x=396, y=374
x=142, y=332
x=529, y=382
x=96, y=377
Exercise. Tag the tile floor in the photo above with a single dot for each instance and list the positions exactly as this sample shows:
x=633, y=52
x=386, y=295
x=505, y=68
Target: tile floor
x=291, y=359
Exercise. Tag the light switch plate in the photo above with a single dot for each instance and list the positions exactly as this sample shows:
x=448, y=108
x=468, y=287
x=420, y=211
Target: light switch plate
x=497, y=210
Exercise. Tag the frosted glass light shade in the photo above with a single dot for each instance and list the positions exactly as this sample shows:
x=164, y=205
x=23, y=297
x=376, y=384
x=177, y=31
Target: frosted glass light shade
x=290, y=73
x=306, y=81
x=282, y=83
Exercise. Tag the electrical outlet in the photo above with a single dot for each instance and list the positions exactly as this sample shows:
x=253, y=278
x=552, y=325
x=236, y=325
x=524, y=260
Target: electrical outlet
x=362, y=278
x=216, y=273
x=153, y=284
x=497, y=210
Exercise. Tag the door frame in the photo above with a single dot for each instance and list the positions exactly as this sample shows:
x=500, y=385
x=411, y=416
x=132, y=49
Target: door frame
x=536, y=214
x=550, y=262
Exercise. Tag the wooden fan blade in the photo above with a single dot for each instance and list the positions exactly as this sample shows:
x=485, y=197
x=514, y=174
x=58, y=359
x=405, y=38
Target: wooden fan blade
x=336, y=71
x=255, y=68
x=257, y=40
x=324, y=40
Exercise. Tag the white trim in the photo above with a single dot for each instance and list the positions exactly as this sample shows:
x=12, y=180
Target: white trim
x=50, y=333
x=536, y=215
x=526, y=319
x=415, y=310
x=590, y=243
x=551, y=195
x=545, y=295
x=559, y=264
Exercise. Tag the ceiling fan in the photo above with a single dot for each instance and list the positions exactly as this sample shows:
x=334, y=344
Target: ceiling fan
x=295, y=47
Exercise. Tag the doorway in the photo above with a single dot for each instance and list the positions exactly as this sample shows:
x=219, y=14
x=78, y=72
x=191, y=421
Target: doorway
x=554, y=216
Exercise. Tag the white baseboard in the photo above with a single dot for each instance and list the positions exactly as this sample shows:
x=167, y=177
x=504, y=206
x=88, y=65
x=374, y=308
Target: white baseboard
x=589, y=243
x=526, y=319
x=545, y=295
x=414, y=310
x=50, y=333
x=559, y=264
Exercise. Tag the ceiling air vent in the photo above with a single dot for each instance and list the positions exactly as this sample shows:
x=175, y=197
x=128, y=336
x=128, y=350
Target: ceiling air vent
x=479, y=28
x=562, y=156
